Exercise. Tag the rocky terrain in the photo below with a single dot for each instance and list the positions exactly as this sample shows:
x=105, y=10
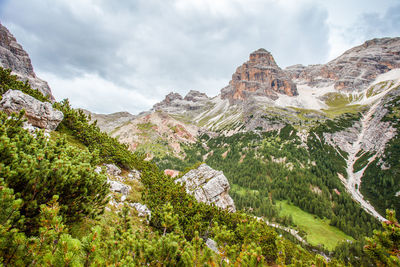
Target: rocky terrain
x=262, y=96
x=14, y=57
x=209, y=186
x=285, y=147
x=355, y=69
x=109, y=122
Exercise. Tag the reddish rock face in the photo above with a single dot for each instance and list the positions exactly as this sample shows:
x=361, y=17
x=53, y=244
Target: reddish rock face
x=261, y=76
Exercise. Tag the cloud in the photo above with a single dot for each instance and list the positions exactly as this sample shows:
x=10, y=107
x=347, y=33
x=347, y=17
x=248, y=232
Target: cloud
x=152, y=47
x=383, y=22
x=374, y=25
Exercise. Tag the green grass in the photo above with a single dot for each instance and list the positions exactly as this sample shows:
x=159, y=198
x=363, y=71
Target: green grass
x=337, y=111
x=243, y=191
x=336, y=99
x=318, y=231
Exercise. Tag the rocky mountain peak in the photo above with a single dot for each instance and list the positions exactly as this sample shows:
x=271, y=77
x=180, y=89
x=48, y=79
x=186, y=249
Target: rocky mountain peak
x=195, y=96
x=355, y=69
x=168, y=100
x=14, y=57
x=260, y=75
x=175, y=103
x=262, y=56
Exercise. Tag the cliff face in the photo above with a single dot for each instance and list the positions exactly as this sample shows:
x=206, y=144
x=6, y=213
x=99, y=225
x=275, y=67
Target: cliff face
x=355, y=69
x=260, y=76
x=14, y=57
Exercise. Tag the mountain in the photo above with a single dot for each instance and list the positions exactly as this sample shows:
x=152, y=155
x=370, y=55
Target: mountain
x=355, y=69
x=299, y=162
x=14, y=57
x=259, y=76
x=335, y=125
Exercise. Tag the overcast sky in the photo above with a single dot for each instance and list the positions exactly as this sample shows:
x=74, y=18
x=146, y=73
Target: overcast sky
x=109, y=56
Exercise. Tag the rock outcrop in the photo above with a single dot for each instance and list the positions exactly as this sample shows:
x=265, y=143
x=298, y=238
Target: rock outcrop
x=119, y=187
x=39, y=114
x=355, y=69
x=14, y=57
x=260, y=76
x=208, y=186
x=175, y=103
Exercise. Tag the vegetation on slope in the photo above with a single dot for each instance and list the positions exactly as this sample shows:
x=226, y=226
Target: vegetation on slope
x=52, y=205
x=381, y=179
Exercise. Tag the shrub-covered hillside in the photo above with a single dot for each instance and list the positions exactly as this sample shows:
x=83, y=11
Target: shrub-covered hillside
x=52, y=206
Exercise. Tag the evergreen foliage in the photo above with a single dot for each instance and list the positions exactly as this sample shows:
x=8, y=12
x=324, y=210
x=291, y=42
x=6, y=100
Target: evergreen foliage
x=381, y=179
x=384, y=246
x=8, y=81
x=76, y=123
x=37, y=168
x=286, y=170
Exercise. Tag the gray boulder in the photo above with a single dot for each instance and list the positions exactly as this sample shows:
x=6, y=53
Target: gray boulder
x=39, y=114
x=208, y=186
x=119, y=187
x=112, y=169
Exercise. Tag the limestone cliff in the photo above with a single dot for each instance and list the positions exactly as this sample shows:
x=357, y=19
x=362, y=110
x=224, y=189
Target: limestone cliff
x=14, y=57
x=355, y=69
x=261, y=76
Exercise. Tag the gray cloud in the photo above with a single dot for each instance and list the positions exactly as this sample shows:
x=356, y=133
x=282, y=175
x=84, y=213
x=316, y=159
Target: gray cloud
x=152, y=47
x=376, y=25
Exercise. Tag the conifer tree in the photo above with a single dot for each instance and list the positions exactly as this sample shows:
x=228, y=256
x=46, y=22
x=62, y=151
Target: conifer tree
x=384, y=246
x=37, y=168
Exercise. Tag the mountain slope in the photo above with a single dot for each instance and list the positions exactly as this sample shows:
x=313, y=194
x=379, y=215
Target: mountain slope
x=328, y=138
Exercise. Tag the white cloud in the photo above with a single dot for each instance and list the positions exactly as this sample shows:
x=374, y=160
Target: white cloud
x=97, y=94
x=115, y=50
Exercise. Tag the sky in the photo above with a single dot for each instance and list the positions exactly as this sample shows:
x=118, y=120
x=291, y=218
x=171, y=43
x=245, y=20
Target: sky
x=126, y=55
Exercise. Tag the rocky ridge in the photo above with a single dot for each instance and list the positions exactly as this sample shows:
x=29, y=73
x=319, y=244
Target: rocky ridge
x=176, y=104
x=355, y=69
x=109, y=122
x=14, y=57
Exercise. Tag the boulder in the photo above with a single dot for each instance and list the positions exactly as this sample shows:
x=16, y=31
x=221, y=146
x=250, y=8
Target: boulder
x=112, y=169
x=39, y=114
x=208, y=186
x=119, y=187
